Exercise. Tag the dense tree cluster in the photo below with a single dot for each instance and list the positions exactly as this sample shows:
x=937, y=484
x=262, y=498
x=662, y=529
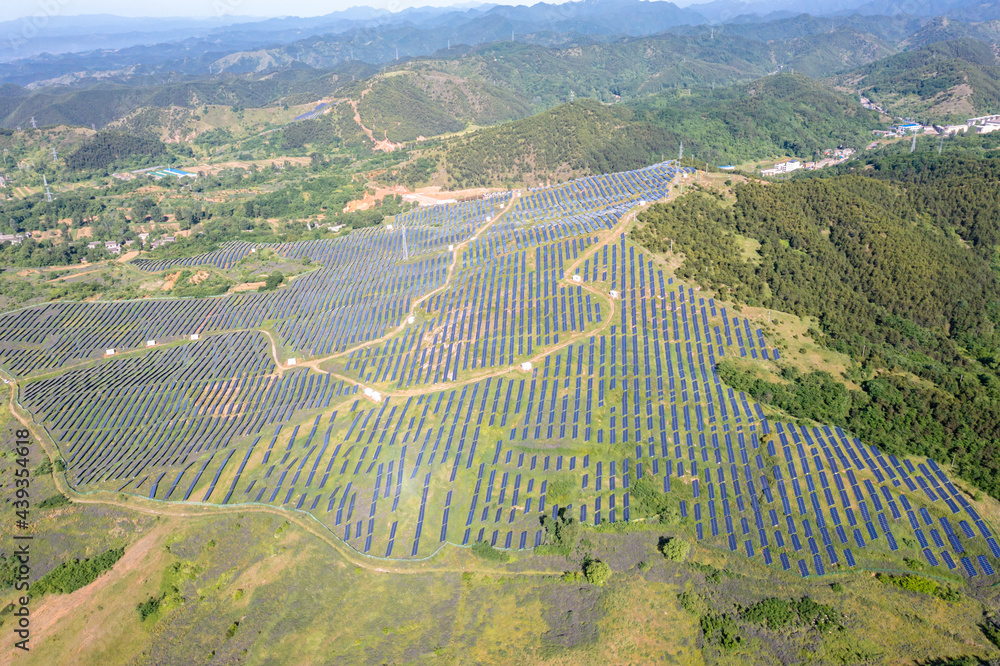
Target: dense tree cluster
x=314, y=132
x=109, y=147
x=74, y=574
x=897, y=268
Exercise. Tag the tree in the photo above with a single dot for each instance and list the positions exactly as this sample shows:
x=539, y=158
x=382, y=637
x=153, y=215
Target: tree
x=562, y=531
x=676, y=549
x=596, y=571
x=273, y=280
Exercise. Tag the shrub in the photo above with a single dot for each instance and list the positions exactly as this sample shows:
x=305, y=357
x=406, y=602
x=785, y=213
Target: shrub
x=53, y=502
x=712, y=575
x=486, y=551
x=272, y=281
x=720, y=630
x=597, y=572
x=561, y=532
x=991, y=631
x=71, y=576
x=773, y=612
x=688, y=601
x=920, y=585
x=805, y=612
x=675, y=549
x=148, y=607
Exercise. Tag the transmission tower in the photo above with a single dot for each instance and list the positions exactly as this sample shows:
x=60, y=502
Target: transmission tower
x=941, y=144
x=680, y=153
x=34, y=125
x=55, y=155
x=48, y=194
x=913, y=145
x=406, y=251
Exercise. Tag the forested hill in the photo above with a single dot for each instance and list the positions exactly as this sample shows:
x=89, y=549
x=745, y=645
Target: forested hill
x=943, y=81
x=109, y=147
x=897, y=268
x=784, y=114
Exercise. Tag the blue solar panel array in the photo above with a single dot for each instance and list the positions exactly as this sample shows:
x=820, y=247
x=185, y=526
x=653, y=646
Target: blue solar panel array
x=622, y=390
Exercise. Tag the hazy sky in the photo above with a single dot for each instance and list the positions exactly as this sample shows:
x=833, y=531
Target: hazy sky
x=10, y=9
x=206, y=8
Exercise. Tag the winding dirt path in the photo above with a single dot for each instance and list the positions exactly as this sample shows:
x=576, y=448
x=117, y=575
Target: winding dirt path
x=385, y=145
x=306, y=520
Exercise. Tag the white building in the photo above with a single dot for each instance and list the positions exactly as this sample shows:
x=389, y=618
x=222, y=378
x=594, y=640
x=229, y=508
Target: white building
x=782, y=167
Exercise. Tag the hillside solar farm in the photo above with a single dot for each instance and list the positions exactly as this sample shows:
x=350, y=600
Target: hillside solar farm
x=456, y=375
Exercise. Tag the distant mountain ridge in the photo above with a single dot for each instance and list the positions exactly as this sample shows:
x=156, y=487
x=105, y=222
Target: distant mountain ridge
x=942, y=81
x=110, y=46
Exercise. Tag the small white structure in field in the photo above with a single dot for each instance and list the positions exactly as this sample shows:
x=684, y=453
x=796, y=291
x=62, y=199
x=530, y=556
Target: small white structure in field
x=614, y=295
x=451, y=247
x=389, y=227
x=195, y=336
x=150, y=343
x=376, y=396
x=526, y=366
x=292, y=361
x=253, y=250
x=489, y=219
x=642, y=202
x=576, y=278
x=410, y=319
x=109, y=352
x=368, y=392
